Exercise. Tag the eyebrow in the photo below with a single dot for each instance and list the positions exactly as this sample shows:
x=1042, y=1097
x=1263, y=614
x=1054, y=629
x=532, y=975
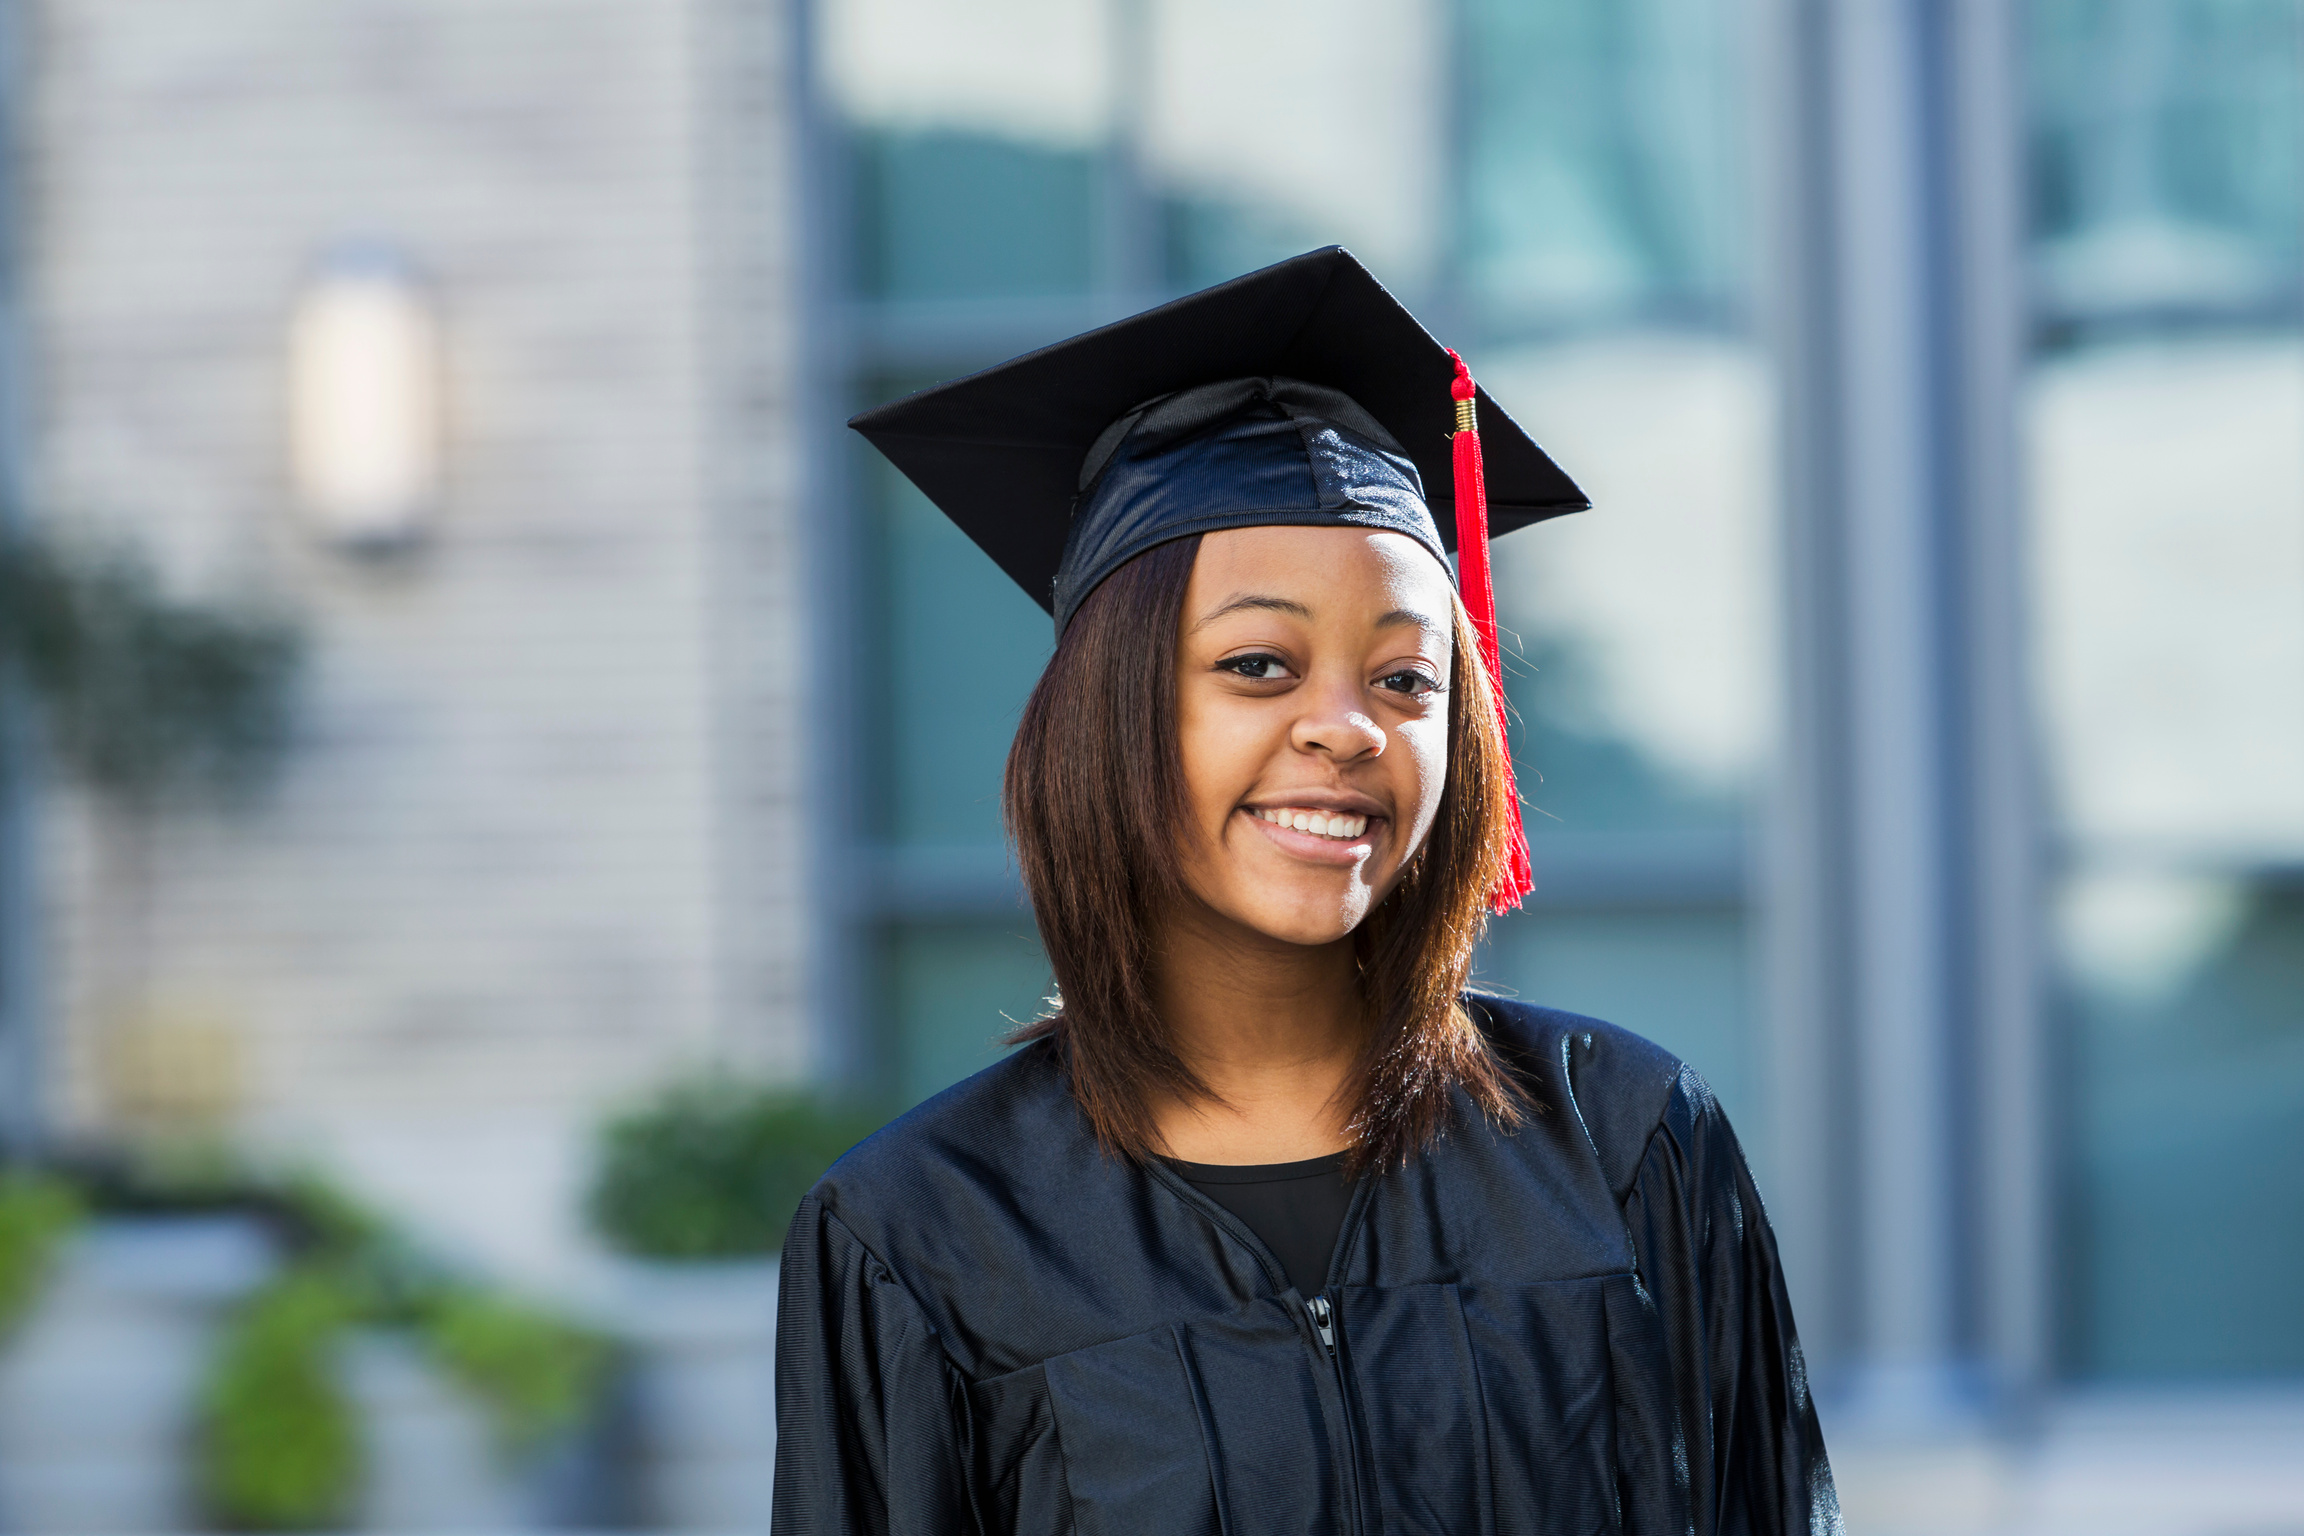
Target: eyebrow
x=1258, y=601
x=1253, y=600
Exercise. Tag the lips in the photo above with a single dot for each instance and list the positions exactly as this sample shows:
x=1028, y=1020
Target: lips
x=1337, y=829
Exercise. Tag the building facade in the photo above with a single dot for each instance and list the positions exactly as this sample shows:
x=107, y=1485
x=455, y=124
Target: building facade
x=536, y=843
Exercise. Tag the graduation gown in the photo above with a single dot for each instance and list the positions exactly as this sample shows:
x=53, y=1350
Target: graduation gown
x=988, y=1325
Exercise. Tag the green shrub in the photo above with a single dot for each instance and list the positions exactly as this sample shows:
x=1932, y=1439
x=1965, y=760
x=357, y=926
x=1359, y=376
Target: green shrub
x=37, y=1211
x=278, y=1445
x=537, y=1374
x=387, y=1277
x=281, y=1450
x=715, y=1169
x=532, y=1373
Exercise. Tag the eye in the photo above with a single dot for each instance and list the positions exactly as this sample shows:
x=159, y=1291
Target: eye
x=1257, y=666
x=1413, y=681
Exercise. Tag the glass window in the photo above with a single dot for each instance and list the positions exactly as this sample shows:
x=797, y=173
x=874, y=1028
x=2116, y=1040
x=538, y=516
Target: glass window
x=1600, y=179
x=2187, y=1222
x=1645, y=677
x=1604, y=174
x=950, y=991
x=2168, y=483
x=1681, y=977
x=959, y=647
x=2169, y=520
x=2164, y=155
x=1273, y=126
x=953, y=649
x=2166, y=438
x=952, y=214
x=975, y=134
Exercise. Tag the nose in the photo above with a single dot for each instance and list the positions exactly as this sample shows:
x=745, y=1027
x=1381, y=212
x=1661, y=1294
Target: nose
x=1333, y=723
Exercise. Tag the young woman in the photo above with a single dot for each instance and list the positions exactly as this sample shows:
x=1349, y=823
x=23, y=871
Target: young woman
x=1274, y=1227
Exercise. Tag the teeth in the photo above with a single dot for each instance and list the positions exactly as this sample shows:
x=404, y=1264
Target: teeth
x=1318, y=823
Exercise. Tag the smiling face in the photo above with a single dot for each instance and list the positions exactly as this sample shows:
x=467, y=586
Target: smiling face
x=1312, y=671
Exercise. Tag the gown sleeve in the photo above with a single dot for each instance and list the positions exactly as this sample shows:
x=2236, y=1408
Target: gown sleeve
x=1756, y=1461
x=871, y=1424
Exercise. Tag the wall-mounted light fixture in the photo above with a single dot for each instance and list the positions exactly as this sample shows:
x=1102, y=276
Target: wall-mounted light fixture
x=364, y=392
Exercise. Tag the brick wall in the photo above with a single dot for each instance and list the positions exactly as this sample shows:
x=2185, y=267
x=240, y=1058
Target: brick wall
x=537, y=843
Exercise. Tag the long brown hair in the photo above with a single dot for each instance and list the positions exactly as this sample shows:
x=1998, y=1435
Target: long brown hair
x=1100, y=732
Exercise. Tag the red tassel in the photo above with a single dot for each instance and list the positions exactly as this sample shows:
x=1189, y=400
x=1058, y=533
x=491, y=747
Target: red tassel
x=1479, y=590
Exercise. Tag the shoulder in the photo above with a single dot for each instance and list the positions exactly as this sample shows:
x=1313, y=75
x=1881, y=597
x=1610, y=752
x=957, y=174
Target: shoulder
x=1618, y=1086
x=1018, y=1101
x=970, y=1156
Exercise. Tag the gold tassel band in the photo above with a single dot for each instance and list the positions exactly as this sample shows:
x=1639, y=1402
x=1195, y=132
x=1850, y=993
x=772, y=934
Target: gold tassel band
x=1466, y=421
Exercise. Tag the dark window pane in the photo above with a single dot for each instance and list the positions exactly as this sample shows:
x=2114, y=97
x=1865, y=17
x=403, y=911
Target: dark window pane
x=950, y=991
x=1677, y=977
x=947, y=214
x=2164, y=154
x=1603, y=175
x=2170, y=648
x=2188, y=1216
x=960, y=648
x=1578, y=776
x=1207, y=239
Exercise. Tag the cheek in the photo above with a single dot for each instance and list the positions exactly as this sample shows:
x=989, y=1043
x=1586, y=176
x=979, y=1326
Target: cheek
x=1218, y=754
x=1424, y=761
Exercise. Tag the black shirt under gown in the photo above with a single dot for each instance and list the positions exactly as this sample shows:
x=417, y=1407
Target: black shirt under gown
x=987, y=1325
x=1295, y=1209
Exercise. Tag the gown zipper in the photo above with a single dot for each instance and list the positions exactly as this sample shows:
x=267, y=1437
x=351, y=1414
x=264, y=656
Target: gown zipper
x=1323, y=1319
x=1318, y=1311
x=1323, y=1323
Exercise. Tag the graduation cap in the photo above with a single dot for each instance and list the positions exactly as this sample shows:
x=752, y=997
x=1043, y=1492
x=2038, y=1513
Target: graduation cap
x=1301, y=394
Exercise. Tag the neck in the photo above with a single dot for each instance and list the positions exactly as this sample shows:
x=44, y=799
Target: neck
x=1272, y=1029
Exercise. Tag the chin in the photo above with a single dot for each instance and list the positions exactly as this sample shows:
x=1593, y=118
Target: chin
x=1311, y=922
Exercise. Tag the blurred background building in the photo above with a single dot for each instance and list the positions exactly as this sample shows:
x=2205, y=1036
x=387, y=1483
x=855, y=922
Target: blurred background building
x=1914, y=732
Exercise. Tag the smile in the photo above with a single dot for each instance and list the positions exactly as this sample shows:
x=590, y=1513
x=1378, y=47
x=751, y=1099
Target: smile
x=1336, y=825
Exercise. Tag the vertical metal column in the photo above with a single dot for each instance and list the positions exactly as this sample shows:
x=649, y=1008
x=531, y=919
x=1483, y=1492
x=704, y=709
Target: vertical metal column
x=21, y=1063
x=1894, y=490
x=1900, y=869
x=1804, y=868
x=2004, y=889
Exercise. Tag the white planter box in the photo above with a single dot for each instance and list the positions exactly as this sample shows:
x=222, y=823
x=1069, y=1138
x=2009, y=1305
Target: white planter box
x=429, y=1463
x=430, y=1453
x=703, y=1391
x=97, y=1391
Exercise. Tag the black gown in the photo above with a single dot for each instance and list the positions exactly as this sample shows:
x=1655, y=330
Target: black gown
x=989, y=1326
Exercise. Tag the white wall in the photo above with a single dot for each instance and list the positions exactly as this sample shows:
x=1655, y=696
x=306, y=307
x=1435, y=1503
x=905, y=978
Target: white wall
x=538, y=842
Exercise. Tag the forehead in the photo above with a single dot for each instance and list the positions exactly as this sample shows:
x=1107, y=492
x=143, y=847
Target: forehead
x=1329, y=570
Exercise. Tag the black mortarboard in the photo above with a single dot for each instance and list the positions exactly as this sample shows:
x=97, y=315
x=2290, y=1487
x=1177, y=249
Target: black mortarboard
x=1304, y=393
